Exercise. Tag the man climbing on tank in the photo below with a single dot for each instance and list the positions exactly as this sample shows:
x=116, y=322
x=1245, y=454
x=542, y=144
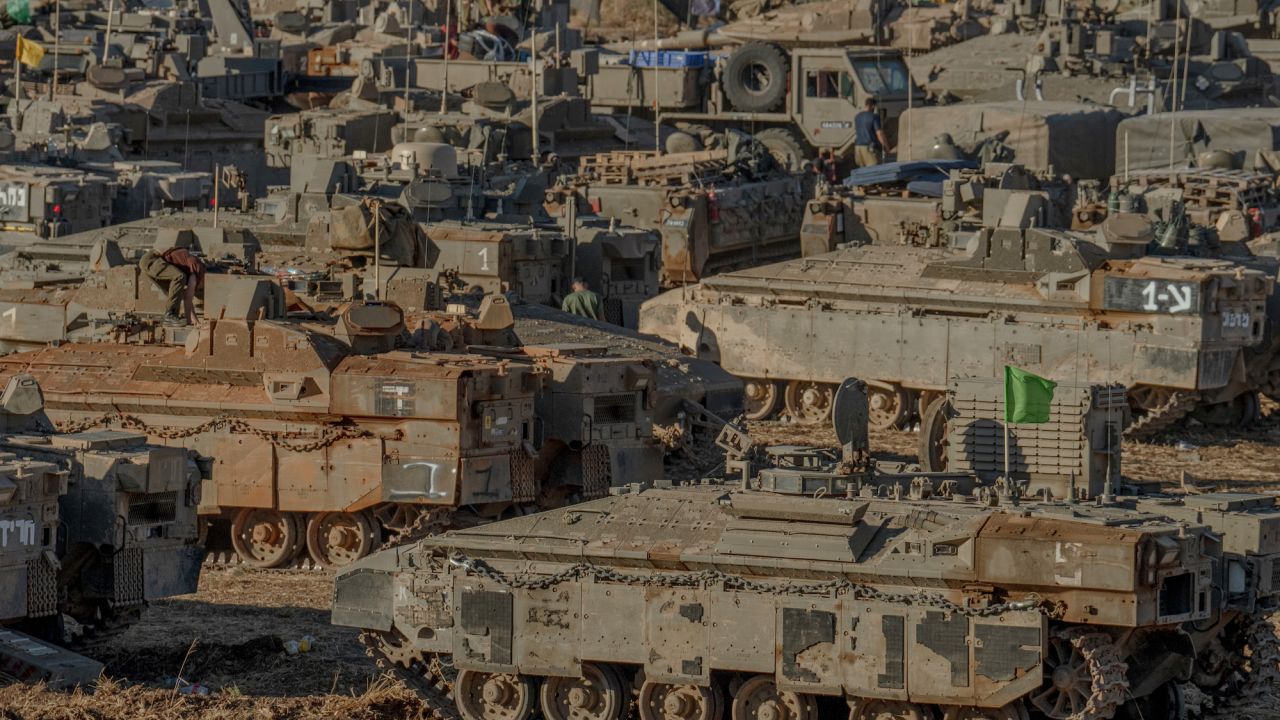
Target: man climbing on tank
x=582, y=301
x=870, y=145
x=180, y=273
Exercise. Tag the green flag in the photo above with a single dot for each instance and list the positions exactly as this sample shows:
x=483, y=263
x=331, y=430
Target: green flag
x=19, y=11
x=1027, y=397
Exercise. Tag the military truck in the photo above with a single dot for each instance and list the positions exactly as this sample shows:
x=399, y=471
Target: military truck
x=93, y=525
x=797, y=101
x=1062, y=304
x=1044, y=591
x=715, y=209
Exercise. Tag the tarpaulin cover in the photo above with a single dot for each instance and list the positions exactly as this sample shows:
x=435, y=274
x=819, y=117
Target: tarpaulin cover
x=1244, y=132
x=896, y=173
x=1070, y=138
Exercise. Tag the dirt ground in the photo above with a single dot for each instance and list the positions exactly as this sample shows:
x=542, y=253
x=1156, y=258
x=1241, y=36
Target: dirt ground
x=230, y=636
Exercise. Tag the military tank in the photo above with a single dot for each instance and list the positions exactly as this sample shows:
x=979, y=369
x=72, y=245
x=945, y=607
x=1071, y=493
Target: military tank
x=811, y=582
x=1066, y=305
x=93, y=525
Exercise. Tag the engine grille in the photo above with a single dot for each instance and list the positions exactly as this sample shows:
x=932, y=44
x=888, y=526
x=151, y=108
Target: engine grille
x=615, y=409
x=153, y=508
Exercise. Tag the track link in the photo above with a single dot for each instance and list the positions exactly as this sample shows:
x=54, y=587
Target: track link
x=1162, y=418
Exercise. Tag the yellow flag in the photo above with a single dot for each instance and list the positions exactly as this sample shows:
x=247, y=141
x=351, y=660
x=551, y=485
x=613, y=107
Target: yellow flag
x=29, y=53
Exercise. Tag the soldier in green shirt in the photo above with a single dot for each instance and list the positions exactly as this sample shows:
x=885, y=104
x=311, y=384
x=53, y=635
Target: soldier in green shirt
x=582, y=301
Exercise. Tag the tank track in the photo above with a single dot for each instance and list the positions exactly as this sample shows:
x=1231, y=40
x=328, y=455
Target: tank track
x=227, y=559
x=1260, y=674
x=427, y=676
x=1159, y=419
x=1109, y=672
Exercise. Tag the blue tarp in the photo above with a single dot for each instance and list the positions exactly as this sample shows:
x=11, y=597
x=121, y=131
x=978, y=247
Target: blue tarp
x=901, y=173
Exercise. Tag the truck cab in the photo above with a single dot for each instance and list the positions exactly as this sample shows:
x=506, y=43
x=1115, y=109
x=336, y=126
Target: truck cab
x=796, y=101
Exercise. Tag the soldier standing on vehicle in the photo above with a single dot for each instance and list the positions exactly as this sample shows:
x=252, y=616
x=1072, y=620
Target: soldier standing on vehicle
x=870, y=144
x=582, y=301
x=179, y=273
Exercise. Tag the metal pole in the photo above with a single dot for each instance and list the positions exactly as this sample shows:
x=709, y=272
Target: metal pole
x=57, y=43
x=533, y=92
x=377, y=249
x=217, y=173
x=657, y=120
x=17, y=69
x=444, y=90
x=1173, y=95
x=106, y=38
x=408, y=49
x=1007, y=478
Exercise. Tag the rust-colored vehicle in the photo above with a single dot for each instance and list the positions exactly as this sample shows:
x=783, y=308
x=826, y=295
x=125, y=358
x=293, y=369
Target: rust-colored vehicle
x=814, y=583
x=324, y=434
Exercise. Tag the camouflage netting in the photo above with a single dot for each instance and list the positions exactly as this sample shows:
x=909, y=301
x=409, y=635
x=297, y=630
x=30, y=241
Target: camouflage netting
x=351, y=229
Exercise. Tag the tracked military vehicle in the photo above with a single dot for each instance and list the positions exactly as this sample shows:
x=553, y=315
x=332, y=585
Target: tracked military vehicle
x=414, y=429
x=716, y=210
x=1064, y=305
x=814, y=583
x=42, y=201
x=93, y=525
x=1161, y=57
x=401, y=434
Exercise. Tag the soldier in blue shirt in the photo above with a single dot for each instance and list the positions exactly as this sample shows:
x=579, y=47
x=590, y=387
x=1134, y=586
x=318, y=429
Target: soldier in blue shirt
x=870, y=144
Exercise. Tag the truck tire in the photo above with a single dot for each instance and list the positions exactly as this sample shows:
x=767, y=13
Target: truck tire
x=786, y=146
x=755, y=77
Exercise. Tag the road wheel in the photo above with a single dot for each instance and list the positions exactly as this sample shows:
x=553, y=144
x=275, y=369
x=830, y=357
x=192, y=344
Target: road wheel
x=761, y=398
x=886, y=405
x=1239, y=412
x=760, y=699
x=337, y=539
x=925, y=398
x=809, y=402
x=661, y=701
x=266, y=538
x=597, y=695
x=786, y=146
x=934, y=431
x=494, y=696
x=755, y=77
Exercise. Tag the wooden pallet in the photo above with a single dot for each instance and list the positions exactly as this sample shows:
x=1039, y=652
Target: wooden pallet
x=648, y=168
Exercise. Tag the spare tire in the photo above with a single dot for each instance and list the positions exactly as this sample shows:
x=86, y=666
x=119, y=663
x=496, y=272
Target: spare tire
x=755, y=77
x=786, y=146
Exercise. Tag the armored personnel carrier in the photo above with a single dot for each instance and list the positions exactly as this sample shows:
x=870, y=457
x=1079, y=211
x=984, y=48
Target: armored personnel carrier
x=1063, y=304
x=401, y=433
x=816, y=583
x=415, y=429
x=42, y=201
x=1160, y=57
x=716, y=210
x=93, y=525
